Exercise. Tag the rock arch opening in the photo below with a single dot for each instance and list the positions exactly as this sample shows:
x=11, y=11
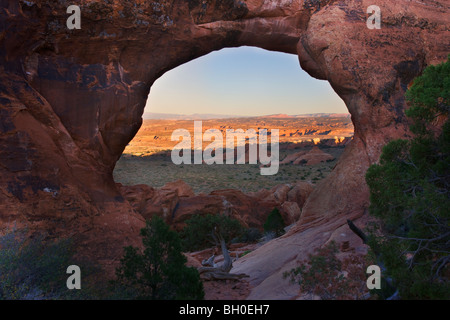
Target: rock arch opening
x=236, y=88
x=243, y=82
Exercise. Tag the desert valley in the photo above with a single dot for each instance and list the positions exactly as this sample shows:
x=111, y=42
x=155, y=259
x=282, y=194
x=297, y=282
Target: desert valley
x=310, y=147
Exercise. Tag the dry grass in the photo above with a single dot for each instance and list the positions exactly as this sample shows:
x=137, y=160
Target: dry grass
x=157, y=169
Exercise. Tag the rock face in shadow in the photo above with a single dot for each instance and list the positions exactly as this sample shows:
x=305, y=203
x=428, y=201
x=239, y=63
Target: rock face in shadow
x=176, y=202
x=71, y=100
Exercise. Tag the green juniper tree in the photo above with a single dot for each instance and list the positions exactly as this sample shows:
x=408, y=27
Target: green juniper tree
x=274, y=223
x=217, y=230
x=158, y=271
x=200, y=231
x=409, y=193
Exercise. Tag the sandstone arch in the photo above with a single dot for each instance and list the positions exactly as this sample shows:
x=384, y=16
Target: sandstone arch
x=70, y=101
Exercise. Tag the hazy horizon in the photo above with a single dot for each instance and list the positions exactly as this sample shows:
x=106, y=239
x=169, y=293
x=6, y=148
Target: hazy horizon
x=243, y=81
x=208, y=116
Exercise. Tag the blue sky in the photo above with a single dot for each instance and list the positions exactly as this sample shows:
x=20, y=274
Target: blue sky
x=242, y=81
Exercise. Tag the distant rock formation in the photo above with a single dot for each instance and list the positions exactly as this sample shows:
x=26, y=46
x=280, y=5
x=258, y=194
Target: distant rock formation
x=308, y=158
x=176, y=202
x=336, y=142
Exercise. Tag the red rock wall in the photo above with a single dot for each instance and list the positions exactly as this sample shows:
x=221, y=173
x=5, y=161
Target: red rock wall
x=70, y=100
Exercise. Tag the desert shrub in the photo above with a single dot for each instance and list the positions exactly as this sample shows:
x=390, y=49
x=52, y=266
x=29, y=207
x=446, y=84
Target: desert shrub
x=268, y=236
x=199, y=231
x=322, y=275
x=251, y=235
x=274, y=223
x=409, y=193
x=28, y=269
x=246, y=252
x=158, y=271
x=34, y=268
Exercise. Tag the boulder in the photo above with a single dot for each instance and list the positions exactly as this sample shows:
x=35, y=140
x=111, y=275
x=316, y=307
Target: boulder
x=182, y=188
x=176, y=203
x=313, y=157
x=290, y=212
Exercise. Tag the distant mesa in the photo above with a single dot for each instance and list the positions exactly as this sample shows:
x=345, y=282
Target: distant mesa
x=279, y=115
x=323, y=115
x=209, y=116
x=307, y=115
x=194, y=116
